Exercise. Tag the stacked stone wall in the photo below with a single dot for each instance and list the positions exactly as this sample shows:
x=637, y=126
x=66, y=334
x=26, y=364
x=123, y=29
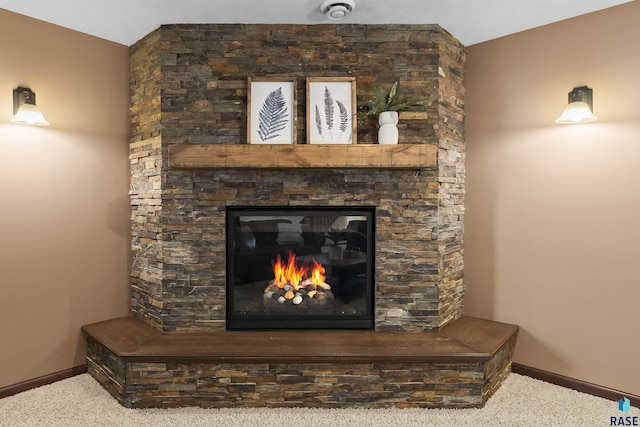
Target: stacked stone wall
x=178, y=281
x=319, y=385
x=451, y=177
x=145, y=158
x=147, y=268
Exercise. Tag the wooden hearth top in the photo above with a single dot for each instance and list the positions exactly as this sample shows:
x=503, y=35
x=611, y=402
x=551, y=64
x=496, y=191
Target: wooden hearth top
x=467, y=339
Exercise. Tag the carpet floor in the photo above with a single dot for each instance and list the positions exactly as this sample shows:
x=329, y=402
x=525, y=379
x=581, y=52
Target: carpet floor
x=521, y=401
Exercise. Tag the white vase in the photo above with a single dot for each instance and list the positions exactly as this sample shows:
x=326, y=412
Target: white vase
x=388, y=132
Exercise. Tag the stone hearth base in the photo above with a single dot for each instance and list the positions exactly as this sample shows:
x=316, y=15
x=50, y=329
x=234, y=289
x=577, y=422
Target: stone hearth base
x=460, y=366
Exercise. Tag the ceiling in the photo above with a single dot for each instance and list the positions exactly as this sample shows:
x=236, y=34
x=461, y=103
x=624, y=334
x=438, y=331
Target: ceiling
x=470, y=21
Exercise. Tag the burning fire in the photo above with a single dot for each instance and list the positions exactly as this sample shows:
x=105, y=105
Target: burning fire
x=291, y=274
x=295, y=286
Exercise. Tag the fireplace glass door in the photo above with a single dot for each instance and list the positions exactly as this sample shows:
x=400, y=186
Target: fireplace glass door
x=300, y=267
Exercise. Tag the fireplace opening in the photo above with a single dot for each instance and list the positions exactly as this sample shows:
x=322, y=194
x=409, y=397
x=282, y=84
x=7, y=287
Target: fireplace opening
x=300, y=267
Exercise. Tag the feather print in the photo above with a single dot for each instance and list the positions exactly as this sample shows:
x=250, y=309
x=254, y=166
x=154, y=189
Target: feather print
x=272, y=117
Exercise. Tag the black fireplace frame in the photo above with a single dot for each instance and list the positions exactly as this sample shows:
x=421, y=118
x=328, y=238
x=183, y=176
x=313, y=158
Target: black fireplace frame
x=239, y=321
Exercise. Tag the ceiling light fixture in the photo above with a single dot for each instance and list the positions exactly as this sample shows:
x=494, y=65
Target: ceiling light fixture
x=337, y=9
x=25, y=111
x=580, y=108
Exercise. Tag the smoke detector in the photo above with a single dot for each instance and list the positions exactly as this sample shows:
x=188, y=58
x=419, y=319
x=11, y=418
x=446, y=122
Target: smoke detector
x=337, y=9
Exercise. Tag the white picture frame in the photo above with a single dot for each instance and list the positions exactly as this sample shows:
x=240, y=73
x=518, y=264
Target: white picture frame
x=271, y=110
x=331, y=110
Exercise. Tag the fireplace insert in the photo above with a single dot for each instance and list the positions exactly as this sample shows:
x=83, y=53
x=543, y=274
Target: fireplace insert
x=300, y=267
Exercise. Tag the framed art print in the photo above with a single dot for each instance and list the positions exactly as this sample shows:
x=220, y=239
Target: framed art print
x=331, y=110
x=271, y=110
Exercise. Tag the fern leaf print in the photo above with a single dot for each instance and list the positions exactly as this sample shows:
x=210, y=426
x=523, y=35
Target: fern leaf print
x=344, y=116
x=272, y=117
x=328, y=109
x=318, y=121
x=333, y=108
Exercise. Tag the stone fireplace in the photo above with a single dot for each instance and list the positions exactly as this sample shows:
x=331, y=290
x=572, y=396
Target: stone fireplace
x=189, y=86
x=192, y=172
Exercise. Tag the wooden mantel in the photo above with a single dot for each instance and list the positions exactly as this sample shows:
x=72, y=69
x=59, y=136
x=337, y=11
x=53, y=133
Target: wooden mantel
x=311, y=156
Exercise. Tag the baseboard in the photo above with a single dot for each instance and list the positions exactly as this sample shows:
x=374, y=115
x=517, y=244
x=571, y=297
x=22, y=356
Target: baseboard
x=574, y=384
x=43, y=380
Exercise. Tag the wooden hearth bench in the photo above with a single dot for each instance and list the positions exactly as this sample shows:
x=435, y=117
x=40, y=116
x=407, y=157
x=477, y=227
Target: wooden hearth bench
x=460, y=366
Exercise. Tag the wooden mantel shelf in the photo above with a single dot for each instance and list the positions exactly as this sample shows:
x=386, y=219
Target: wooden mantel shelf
x=310, y=156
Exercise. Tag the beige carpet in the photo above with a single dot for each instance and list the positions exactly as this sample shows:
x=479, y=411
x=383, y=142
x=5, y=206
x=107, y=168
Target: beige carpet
x=521, y=401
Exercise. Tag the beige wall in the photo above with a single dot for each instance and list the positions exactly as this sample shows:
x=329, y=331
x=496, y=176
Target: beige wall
x=64, y=211
x=553, y=211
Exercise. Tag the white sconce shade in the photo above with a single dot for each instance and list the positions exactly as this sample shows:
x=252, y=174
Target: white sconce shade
x=580, y=107
x=25, y=110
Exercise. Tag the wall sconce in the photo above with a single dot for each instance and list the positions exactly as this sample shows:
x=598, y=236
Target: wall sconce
x=580, y=107
x=25, y=110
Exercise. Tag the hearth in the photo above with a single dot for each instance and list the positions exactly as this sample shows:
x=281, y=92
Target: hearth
x=300, y=267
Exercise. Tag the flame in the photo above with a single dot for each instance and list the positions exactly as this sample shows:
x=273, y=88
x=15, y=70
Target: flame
x=293, y=275
x=317, y=274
